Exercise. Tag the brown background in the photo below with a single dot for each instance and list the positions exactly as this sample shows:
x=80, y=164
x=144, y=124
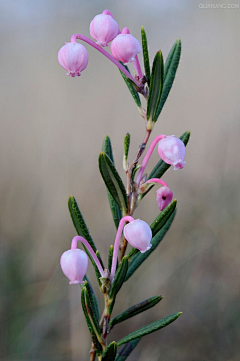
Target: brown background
x=52, y=128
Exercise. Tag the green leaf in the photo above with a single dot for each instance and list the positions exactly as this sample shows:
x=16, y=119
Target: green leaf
x=145, y=55
x=170, y=69
x=94, y=299
x=139, y=258
x=156, y=86
x=116, y=212
x=162, y=218
x=110, y=256
x=79, y=222
x=91, y=314
x=135, y=310
x=110, y=352
x=126, y=144
x=83, y=231
x=95, y=338
x=118, y=280
x=131, y=86
x=152, y=327
x=113, y=181
x=125, y=351
x=161, y=167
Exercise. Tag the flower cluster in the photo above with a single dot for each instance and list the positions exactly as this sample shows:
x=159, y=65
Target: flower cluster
x=124, y=48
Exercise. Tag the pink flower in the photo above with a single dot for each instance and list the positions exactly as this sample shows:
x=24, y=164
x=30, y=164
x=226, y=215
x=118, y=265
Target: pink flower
x=164, y=197
x=125, y=47
x=74, y=263
x=104, y=28
x=73, y=57
x=172, y=151
x=138, y=233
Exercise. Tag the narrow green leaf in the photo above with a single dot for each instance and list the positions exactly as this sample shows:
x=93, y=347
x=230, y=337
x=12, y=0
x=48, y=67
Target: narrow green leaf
x=91, y=314
x=118, y=280
x=85, y=311
x=139, y=258
x=113, y=181
x=161, y=167
x=145, y=55
x=125, y=351
x=131, y=86
x=82, y=230
x=162, y=218
x=170, y=70
x=110, y=352
x=79, y=222
x=135, y=310
x=94, y=336
x=94, y=296
x=93, y=299
x=156, y=86
x=152, y=327
x=110, y=256
x=116, y=212
x=126, y=145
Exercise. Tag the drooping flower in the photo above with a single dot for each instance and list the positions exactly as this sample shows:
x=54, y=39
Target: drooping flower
x=138, y=233
x=74, y=263
x=172, y=151
x=164, y=197
x=125, y=47
x=104, y=28
x=73, y=57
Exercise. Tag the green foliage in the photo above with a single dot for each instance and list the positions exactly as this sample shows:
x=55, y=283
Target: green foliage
x=125, y=351
x=110, y=256
x=139, y=258
x=170, y=69
x=110, y=352
x=78, y=221
x=135, y=310
x=152, y=327
x=131, y=86
x=83, y=231
x=118, y=280
x=116, y=211
x=126, y=145
x=161, y=167
x=113, y=181
x=93, y=299
x=145, y=55
x=156, y=86
x=162, y=218
x=88, y=320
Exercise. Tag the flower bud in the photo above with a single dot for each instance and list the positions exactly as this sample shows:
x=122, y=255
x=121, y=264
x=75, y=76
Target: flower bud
x=104, y=28
x=125, y=47
x=138, y=233
x=164, y=197
x=172, y=151
x=74, y=263
x=74, y=58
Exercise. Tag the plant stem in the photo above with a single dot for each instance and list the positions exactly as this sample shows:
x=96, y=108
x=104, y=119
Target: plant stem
x=132, y=200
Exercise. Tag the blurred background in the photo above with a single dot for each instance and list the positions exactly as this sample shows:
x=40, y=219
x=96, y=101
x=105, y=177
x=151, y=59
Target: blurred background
x=52, y=128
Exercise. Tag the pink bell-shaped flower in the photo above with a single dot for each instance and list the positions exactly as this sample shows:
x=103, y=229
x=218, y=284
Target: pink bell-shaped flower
x=125, y=47
x=164, y=197
x=172, y=151
x=104, y=28
x=74, y=263
x=73, y=57
x=138, y=233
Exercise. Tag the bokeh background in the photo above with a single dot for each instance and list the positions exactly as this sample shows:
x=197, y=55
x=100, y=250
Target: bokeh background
x=52, y=127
